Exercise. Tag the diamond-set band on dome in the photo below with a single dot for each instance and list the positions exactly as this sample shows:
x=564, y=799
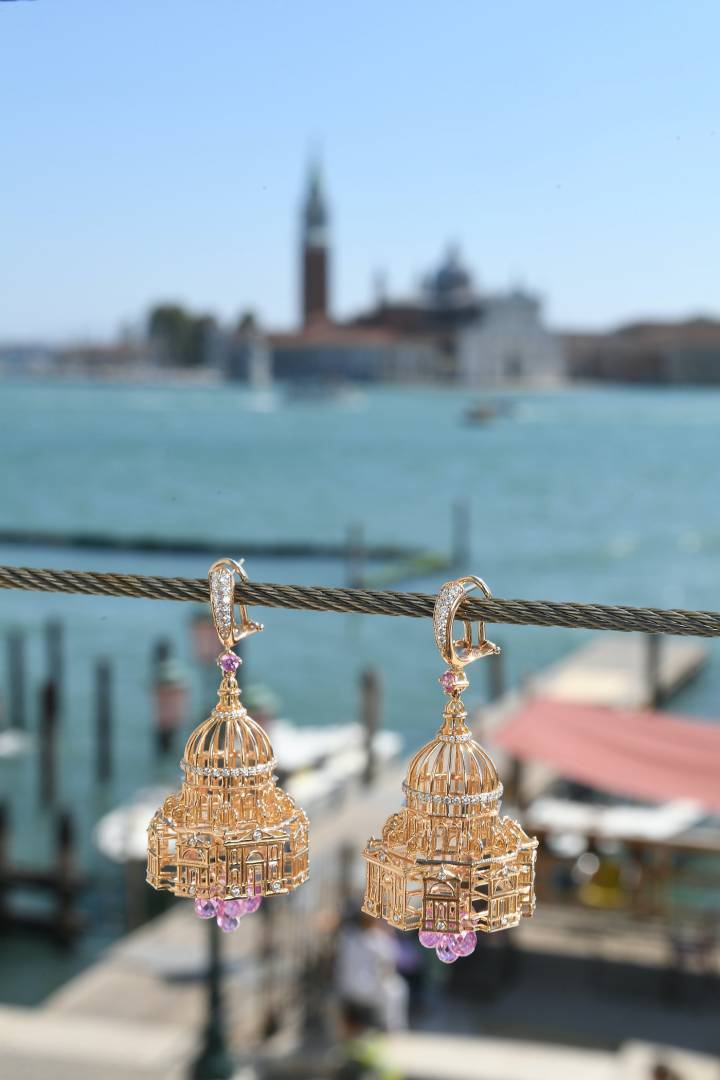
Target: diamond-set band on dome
x=247, y=770
x=480, y=799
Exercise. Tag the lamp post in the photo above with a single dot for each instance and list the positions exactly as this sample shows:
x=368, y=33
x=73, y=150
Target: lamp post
x=214, y=1061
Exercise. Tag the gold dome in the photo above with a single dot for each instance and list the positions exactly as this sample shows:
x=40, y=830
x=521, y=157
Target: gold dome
x=229, y=744
x=452, y=775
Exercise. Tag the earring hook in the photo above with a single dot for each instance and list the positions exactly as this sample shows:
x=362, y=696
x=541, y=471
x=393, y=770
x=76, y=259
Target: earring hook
x=462, y=651
x=222, y=576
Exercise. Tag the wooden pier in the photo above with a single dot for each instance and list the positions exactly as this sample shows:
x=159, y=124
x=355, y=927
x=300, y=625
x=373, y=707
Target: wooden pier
x=623, y=671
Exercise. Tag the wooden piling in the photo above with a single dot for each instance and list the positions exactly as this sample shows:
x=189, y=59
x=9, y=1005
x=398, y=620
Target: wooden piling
x=370, y=719
x=16, y=679
x=4, y=861
x=346, y=890
x=162, y=651
x=47, y=750
x=55, y=659
x=66, y=922
x=103, y=721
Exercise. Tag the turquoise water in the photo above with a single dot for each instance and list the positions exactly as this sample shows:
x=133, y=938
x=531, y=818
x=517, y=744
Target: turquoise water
x=602, y=495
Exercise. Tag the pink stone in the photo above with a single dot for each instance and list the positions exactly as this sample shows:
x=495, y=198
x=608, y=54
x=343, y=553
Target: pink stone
x=447, y=680
x=429, y=939
x=235, y=908
x=205, y=908
x=464, y=944
x=227, y=923
x=445, y=951
x=229, y=662
x=253, y=904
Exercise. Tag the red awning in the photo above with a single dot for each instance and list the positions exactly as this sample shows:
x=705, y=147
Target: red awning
x=636, y=754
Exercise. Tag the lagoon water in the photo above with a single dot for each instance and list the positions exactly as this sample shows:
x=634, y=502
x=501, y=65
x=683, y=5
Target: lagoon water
x=591, y=494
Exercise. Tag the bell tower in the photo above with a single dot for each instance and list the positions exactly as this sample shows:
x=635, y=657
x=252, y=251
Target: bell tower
x=315, y=256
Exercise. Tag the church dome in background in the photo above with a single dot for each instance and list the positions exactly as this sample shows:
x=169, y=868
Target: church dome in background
x=451, y=284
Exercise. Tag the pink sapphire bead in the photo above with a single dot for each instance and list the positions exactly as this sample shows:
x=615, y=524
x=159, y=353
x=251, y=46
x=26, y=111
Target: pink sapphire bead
x=429, y=939
x=464, y=944
x=445, y=951
x=227, y=923
x=447, y=681
x=229, y=662
x=205, y=908
x=234, y=908
x=253, y=904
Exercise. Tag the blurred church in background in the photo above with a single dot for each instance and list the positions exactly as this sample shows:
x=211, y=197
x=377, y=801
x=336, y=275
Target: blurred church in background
x=450, y=331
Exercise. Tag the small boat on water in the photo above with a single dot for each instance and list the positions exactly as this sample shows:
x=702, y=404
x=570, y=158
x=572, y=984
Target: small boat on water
x=484, y=411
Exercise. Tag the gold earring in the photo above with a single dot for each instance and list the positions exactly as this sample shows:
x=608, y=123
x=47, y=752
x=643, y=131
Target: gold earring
x=447, y=864
x=230, y=835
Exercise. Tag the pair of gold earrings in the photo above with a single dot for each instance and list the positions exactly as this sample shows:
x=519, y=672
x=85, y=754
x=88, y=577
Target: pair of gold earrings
x=447, y=864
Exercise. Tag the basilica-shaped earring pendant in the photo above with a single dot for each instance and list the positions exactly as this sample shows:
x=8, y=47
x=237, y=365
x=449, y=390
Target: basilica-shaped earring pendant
x=230, y=836
x=448, y=864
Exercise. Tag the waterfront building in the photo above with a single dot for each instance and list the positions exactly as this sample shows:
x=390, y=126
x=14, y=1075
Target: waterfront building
x=450, y=331
x=509, y=341
x=649, y=352
x=479, y=338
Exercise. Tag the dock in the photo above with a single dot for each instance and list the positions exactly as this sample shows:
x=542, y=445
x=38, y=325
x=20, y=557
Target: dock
x=623, y=671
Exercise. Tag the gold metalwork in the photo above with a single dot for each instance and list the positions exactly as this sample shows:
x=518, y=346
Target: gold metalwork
x=448, y=862
x=230, y=832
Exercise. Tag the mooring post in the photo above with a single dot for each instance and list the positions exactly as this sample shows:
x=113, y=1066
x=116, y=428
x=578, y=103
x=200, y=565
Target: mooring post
x=47, y=750
x=16, y=679
x=461, y=534
x=65, y=841
x=496, y=676
x=652, y=669
x=103, y=721
x=347, y=861
x=170, y=698
x=4, y=863
x=370, y=719
x=355, y=556
x=55, y=659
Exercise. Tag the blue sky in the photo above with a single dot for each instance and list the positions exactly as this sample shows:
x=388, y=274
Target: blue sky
x=155, y=150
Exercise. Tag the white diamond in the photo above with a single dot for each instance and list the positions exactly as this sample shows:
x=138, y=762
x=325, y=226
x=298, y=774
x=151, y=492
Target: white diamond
x=277, y=886
x=257, y=835
x=236, y=890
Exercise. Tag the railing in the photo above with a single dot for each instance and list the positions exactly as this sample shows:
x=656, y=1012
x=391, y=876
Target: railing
x=370, y=601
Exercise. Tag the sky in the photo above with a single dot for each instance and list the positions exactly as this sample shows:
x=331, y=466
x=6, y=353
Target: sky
x=157, y=151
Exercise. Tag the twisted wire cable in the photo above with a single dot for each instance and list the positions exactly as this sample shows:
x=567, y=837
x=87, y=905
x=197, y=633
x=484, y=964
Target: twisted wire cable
x=369, y=601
